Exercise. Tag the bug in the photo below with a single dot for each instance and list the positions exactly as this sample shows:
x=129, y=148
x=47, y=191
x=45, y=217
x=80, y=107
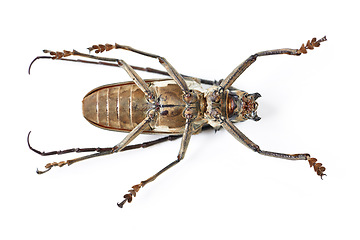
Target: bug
x=177, y=106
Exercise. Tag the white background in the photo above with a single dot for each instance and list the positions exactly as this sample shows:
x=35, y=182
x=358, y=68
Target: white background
x=221, y=190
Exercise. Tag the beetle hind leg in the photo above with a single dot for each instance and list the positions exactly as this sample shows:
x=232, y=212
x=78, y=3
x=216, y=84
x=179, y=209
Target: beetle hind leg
x=178, y=78
x=132, y=192
x=184, y=144
x=49, y=166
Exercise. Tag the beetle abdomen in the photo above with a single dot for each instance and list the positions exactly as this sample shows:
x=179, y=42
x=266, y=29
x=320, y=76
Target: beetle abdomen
x=118, y=107
x=122, y=106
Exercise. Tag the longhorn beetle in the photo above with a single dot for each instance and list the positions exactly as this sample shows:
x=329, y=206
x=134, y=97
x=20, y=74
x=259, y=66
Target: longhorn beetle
x=177, y=106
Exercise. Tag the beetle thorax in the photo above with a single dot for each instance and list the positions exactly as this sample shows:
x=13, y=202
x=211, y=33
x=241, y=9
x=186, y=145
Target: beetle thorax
x=233, y=104
x=215, y=105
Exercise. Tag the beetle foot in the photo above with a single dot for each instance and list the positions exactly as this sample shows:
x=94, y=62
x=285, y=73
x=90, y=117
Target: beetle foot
x=310, y=45
x=101, y=48
x=318, y=167
x=59, y=55
x=51, y=165
x=132, y=193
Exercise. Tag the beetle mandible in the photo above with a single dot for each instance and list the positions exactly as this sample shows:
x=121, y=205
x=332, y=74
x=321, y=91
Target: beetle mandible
x=177, y=106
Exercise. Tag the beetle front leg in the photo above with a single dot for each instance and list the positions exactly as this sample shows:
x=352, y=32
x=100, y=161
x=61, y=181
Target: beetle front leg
x=229, y=80
x=238, y=135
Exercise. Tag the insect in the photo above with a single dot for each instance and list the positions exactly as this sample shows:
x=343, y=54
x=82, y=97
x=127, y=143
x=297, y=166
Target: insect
x=177, y=106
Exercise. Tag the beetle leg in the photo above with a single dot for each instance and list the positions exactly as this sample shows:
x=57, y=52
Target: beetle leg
x=169, y=68
x=184, y=144
x=138, y=80
x=120, y=63
x=229, y=80
x=129, y=137
x=238, y=135
x=133, y=134
x=69, y=162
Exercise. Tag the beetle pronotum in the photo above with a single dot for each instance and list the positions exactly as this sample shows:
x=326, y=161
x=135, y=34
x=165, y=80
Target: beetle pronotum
x=177, y=106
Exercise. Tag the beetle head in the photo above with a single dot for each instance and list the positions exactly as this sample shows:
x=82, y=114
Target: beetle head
x=242, y=106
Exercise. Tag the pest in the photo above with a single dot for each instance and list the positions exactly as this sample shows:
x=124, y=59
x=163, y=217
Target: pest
x=176, y=106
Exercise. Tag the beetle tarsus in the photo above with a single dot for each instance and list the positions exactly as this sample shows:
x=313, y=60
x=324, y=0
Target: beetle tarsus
x=318, y=167
x=101, y=48
x=132, y=193
x=59, y=55
x=310, y=45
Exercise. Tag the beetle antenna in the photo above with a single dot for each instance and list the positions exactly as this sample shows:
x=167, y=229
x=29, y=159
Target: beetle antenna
x=28, y=141
x=32, y=62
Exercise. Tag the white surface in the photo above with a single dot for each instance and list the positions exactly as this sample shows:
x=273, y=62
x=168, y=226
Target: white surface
x=221, y=190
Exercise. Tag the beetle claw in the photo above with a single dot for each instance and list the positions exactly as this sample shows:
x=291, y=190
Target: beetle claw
x=41, y=172
x=121, y=204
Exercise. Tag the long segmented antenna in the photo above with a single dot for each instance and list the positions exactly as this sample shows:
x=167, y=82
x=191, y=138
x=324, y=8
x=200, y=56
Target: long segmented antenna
x=39, y=57
x=71, y=150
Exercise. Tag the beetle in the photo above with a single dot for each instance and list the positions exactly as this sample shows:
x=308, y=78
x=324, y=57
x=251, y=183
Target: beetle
x=177, y=106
